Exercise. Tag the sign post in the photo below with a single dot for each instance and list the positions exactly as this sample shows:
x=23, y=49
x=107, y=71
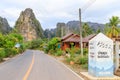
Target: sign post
x=100, y=56
x=117, y=55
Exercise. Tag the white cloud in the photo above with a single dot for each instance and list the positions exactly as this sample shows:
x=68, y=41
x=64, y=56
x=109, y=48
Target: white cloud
x=102, y=4
x=52, y=11
x=115, y=13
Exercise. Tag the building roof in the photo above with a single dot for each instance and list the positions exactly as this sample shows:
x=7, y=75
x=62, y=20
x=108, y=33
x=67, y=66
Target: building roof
x=73, y=38
x=76, y=38
x=86, y=39
x=67, y=36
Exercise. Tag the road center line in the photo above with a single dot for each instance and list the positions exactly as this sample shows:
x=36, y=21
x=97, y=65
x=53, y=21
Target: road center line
x=29, y=69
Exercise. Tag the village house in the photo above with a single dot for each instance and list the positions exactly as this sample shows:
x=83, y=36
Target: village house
x=74, y=39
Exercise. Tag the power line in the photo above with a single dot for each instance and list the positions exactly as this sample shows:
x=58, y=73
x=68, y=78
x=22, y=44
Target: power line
x=88, y=4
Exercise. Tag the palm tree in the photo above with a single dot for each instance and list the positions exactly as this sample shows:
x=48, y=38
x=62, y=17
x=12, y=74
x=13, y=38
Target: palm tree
x=107, y=30
x=113, y=30
x=86, y=30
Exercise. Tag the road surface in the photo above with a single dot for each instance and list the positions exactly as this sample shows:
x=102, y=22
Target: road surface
x=35, y=65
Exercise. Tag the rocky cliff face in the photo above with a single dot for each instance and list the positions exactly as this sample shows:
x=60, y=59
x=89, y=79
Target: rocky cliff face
x=71, y=26
x=61, y=29
x=4, y=26
x=28, y=25
x=93, y=26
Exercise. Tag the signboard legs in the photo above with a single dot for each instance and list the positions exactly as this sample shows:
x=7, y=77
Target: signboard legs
x=117, y=44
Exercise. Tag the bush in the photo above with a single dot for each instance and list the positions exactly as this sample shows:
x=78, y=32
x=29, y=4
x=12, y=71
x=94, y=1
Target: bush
x=81, y=60
x=73, y=50
x=46, y=49
x=51, y=51
x=35, y=44
x=53, y=44
x=59, y=52
x=85, y=51
x=2, y=53
x=68, y=59
x=23, y=47
x=7, y=45
x=14, y=51
x=85, y=66
x=8, y=52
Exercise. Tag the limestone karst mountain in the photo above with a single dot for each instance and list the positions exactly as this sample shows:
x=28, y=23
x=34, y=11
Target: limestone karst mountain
x=4, y=26
x=28, y=25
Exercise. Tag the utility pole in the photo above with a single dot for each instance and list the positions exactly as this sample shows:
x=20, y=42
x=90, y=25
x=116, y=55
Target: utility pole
x=90, y=2
x=81, y=45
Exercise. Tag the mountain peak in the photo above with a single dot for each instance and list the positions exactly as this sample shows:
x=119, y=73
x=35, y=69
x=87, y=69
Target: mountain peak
x=28, y=25
x=4, y=26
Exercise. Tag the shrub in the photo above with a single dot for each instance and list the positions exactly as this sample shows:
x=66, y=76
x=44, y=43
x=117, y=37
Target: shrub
x=52, y=45
x=46, y=49
x=85, y=66
x=2, y=53
x=59, y=52
x=8, y=52
x=81, y=60
x=51, y=51
x=73, y=50
x=35, y=44
x=14, y=51
x=85, y=51
x=68, y=59
x=23, y=47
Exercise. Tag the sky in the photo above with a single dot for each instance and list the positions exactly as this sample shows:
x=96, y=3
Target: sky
x=50, y=12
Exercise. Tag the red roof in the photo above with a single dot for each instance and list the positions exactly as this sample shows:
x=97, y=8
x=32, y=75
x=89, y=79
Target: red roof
x=67, y=36
x=73, y=38
x=86, y=39
x=76, y=38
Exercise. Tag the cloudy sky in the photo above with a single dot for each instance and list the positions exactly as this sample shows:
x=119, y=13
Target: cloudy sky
x=49, y=12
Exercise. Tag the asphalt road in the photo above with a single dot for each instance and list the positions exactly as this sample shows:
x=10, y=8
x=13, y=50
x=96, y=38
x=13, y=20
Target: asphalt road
x=35, y=65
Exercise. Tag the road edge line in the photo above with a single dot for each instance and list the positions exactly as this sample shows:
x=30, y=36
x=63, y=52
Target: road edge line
x=65, y=66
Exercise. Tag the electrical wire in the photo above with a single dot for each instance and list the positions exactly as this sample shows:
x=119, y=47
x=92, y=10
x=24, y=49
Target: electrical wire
x=89, y=3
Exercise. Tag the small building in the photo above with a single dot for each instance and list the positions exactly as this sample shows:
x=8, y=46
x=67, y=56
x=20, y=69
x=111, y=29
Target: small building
x=74, y=39
x=68, y=39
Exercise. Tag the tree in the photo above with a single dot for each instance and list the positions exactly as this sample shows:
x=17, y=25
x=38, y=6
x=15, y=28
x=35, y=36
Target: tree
x=113, y=29
x=86, y=30
x=98, y=30
x=47, y=33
